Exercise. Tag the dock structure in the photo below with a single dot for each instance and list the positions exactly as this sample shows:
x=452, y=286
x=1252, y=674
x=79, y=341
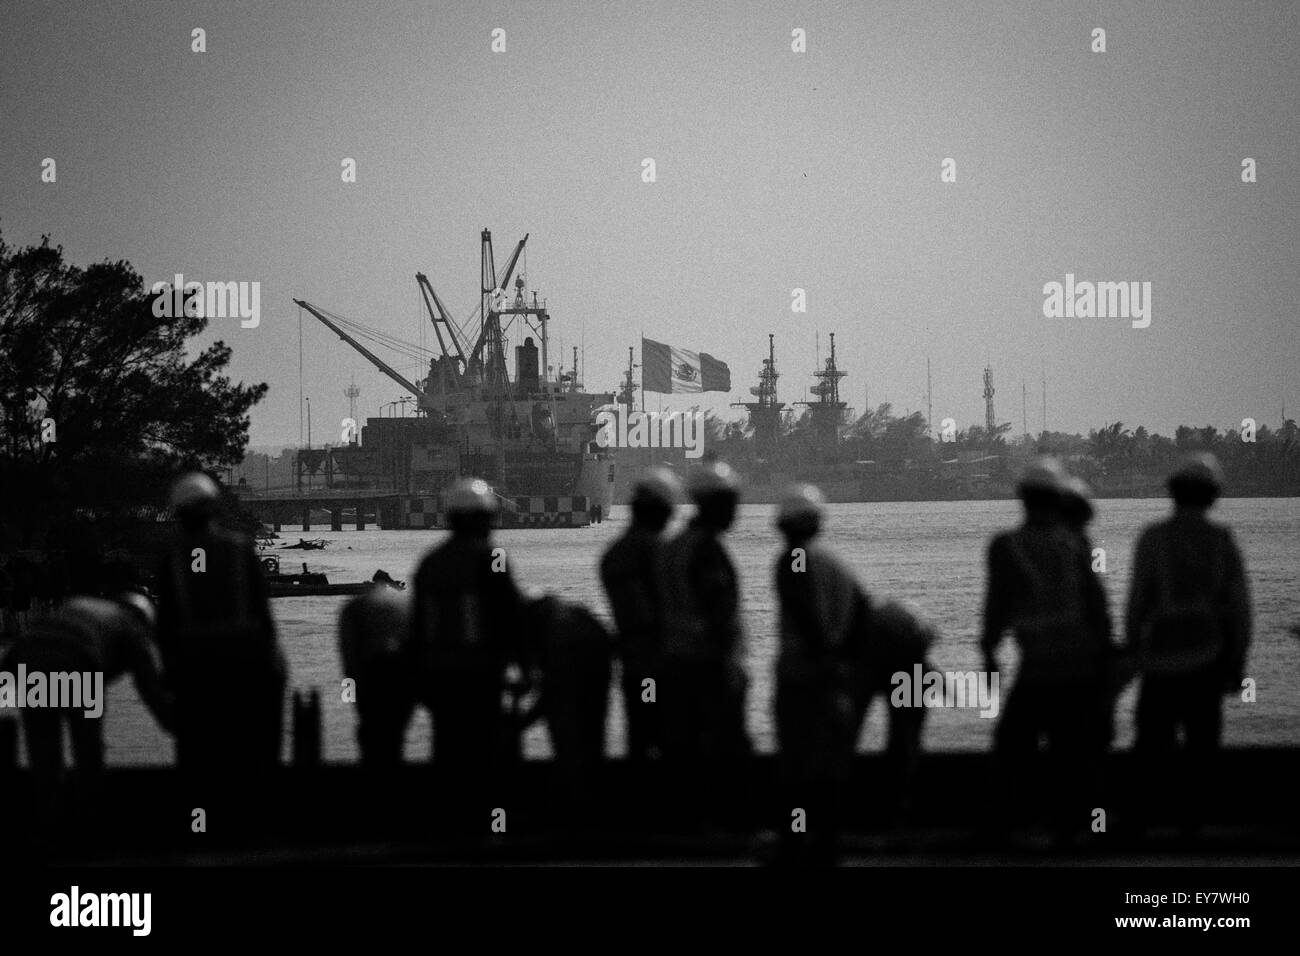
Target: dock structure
x=393, y=511
x=381, y=508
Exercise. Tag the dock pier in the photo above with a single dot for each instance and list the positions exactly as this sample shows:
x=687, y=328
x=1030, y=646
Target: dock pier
x=380, y=508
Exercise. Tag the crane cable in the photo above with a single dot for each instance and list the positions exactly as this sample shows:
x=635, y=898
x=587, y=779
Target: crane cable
x=376, y=336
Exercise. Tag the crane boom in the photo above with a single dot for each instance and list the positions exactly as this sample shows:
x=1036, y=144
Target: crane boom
x=375, y=360
x=510, y=265
x=438, y=315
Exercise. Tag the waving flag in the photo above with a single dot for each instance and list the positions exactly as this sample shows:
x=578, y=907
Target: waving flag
x=668, y=369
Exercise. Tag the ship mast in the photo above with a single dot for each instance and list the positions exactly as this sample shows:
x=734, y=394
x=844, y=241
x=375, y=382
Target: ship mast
x=828, y=411
x=765, y=414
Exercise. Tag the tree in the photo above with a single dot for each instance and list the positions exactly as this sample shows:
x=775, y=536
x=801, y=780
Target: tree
x=1205, y=438
x=736, y=431
x=1111, y=444
x=872, y=423
x=905, y=438
x=86, y=363
x=714, y=428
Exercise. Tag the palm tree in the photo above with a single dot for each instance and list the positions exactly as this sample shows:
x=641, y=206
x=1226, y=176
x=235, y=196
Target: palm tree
x=1110, y=443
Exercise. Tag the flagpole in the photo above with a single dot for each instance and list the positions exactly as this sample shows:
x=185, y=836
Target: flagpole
x=643, y=369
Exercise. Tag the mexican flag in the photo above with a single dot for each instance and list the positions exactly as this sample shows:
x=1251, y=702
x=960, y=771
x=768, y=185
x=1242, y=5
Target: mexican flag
x=668, y=369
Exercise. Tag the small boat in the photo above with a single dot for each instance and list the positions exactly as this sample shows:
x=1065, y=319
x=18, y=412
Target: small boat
x=314, y=584
x=383, y=577
x=305, y=545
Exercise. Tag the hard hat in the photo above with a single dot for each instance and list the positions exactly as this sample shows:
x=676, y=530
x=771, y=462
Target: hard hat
x=713, y=478
x=141, y=606
x=801, y=502
x=1043, y=474
x=659, y=485
x=470, y=495
x=1198, y=468
x=194, y=492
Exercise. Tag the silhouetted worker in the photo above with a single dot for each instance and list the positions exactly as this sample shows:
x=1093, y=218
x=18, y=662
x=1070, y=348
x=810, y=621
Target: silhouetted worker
x=630, y=571
x=89, y=642
x=1076, y=505
x=703, y=690
x=8, y=622
x=221, y=657
x=465, y=630
x=373, y=628
x=1077, y=512
x=1189, y=622
x=899, y=636
x=573, y=654
x=1039, y=579
x=24, y=584
x=818, y=674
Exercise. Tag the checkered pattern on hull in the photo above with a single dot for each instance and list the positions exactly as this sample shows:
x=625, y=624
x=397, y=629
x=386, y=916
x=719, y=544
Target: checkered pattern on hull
x=551, y=511
x=422, y=513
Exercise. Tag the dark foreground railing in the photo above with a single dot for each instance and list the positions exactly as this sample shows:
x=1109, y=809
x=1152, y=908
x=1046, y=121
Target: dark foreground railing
x=1244, y=802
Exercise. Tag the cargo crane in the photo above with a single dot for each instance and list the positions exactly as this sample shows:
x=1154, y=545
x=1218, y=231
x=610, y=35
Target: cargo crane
x=423, y=401
x=446, y=371
x=460, y=368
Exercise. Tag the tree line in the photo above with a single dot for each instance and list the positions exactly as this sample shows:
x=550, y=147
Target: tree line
x=1257, y=458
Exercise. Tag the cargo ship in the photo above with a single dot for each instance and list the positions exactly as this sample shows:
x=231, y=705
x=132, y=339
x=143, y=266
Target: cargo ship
x=528, y=431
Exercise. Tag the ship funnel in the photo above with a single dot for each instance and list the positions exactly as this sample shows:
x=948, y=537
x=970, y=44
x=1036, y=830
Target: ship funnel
x=526, y=366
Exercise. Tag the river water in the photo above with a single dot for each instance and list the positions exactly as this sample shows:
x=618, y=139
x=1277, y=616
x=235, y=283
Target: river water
x=931, y=553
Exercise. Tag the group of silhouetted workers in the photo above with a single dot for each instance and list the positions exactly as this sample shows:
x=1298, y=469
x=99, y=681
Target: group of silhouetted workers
x=486, y=659
x=1186, y=633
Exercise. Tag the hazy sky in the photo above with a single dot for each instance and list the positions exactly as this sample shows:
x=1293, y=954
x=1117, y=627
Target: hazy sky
x=776, y=170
